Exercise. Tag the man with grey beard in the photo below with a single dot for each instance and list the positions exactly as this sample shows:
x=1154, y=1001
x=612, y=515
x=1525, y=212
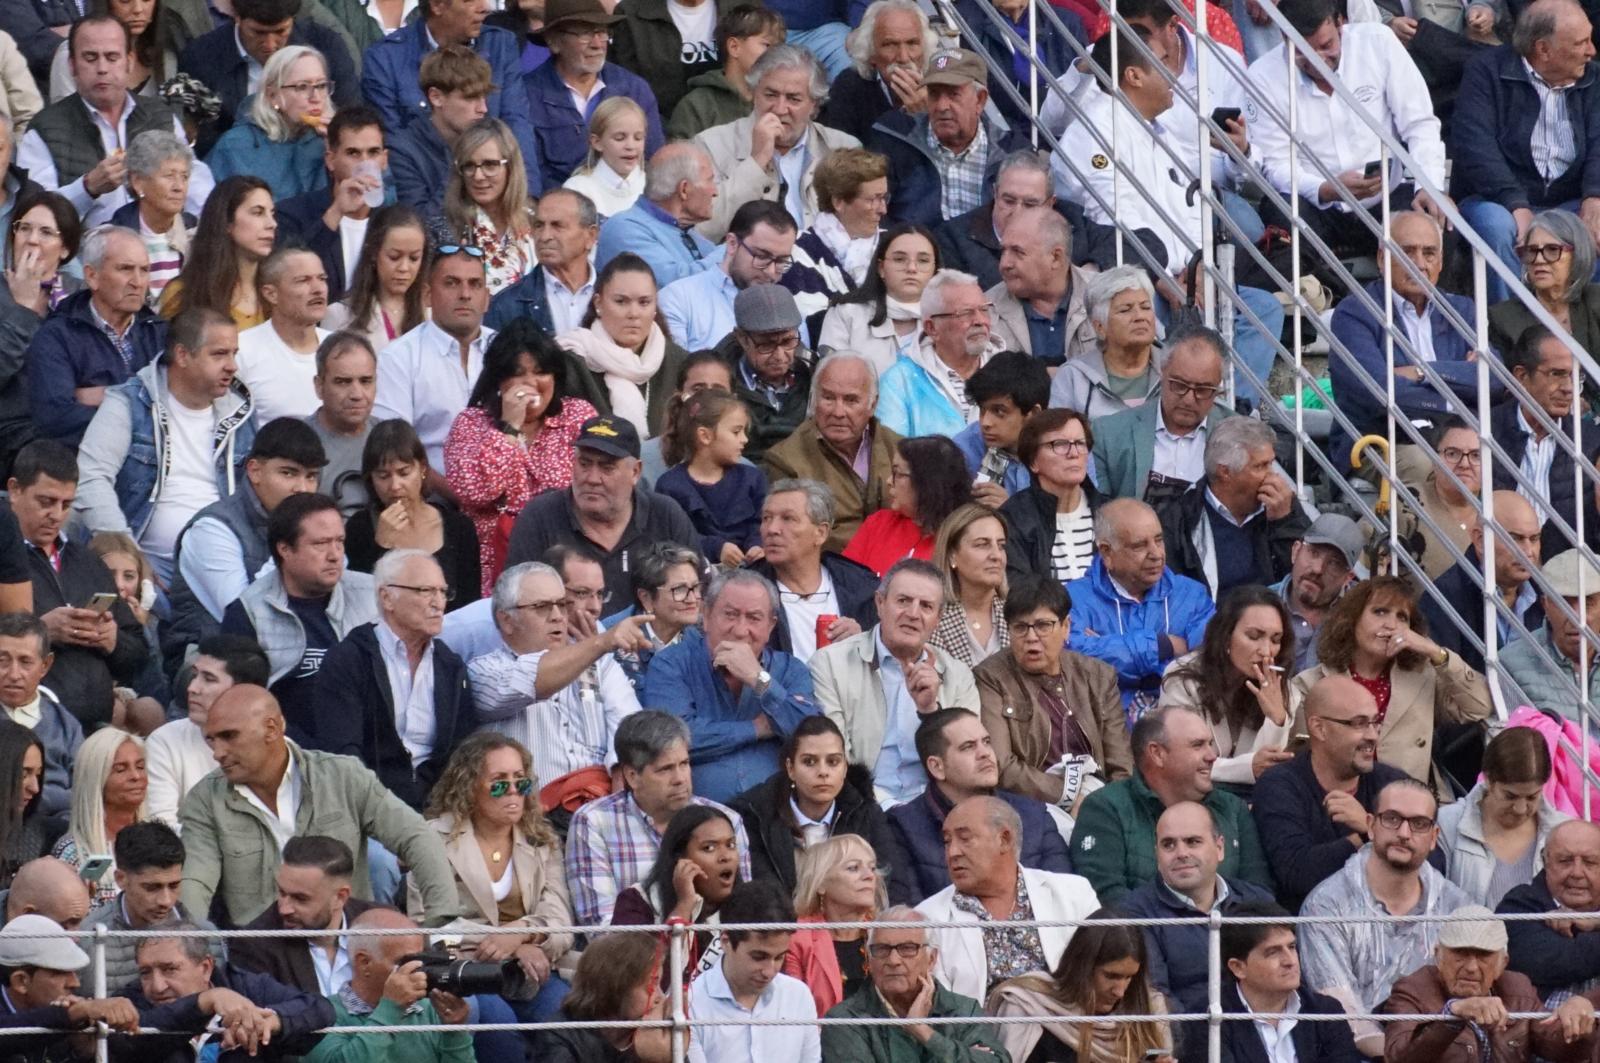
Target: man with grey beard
x=925, y=391
x=1311, y=812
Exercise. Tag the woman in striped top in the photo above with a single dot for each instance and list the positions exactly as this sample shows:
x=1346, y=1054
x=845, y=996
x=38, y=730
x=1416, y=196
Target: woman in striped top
x=1052, y=522
x=159, y=165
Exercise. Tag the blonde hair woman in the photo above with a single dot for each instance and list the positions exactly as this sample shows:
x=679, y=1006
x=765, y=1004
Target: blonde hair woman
x=507, y=861
x=108, y=791
x=838, y=882
x=613, y=174
x=486, y=203
x=280, y=137
x=970, y=554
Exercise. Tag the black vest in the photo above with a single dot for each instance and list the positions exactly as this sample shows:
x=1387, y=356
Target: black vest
x=74, y=140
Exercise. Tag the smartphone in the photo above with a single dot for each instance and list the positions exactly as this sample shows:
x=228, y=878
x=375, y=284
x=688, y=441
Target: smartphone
x=102, y=601
x=1374, y=168
x=1223, y=115
x=95, y=867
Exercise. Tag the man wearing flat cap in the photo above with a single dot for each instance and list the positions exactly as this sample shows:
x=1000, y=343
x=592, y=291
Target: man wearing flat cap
x=1474, y=995
x=40, y=964
x=1545, y=665
x=942, y=161
x=771, y=371
x=605, y=510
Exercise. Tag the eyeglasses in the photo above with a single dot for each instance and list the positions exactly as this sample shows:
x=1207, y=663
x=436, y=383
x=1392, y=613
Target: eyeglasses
x=310, y=88
x=1011, y=202
x=546, y=609
x=1533, y=253
x=1038, y=629
x=446, y=250
x=896, y=475
x=488, y=167
x=1418, y=824
x=966, y=315
x=684, y=592
x=788, y=345
x=1554, y=374
x=1455, y=456
x=1355, y=723
x=581, y=594
x=906, y=950
x=1202, y=392
x=766, y=259
x=501, y=787
x=443, y=594
x=1065, y=448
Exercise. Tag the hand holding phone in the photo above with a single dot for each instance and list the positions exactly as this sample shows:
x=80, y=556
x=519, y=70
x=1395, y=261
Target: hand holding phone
x=1223, y=115
x=101, y=602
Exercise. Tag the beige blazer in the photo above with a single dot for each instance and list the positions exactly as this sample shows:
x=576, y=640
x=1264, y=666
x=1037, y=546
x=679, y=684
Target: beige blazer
x=1418, y=699
x=740, y=180
x=540, y=877
x=1011, y=322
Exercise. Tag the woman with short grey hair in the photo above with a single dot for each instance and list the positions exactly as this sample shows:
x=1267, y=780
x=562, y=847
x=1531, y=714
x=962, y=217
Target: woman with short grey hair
x=159, y=165
x=669, y=584
x=280, y=136
x=1558, y=260
x=1123, y=373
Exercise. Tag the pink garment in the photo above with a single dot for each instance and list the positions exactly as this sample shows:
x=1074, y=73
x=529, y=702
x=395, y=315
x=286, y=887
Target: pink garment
x=1564, y=791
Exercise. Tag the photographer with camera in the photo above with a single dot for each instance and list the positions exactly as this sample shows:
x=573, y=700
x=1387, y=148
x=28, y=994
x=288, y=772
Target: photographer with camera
x=392, y=985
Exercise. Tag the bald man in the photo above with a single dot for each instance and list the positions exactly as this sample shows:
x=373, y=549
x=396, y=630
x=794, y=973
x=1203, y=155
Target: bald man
x=1562, y=953
x=1462, y=584
x=51, y=888
x=268, y=790
x=1311, y=811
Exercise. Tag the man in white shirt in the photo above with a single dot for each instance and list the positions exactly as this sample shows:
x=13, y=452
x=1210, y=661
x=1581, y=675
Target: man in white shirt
x=58, y=152
x=561, y=700
x=425, y=376
x=749, y=984
x=556, y=293
x=1376, y=69
x=278, y=358
x=313, y=894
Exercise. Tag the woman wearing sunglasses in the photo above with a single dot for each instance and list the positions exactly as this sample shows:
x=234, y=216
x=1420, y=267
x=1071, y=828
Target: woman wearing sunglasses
x=507, y=862
x=1558, y=260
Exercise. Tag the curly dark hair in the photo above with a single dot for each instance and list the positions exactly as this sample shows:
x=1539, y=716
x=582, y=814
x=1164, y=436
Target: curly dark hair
x=1224, y=697
x=939, y=472
x=520, y=337
x=1336, y=642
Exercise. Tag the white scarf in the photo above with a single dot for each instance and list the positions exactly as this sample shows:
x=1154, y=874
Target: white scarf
x=899, y=311
x=853, y=252
x=625, y=371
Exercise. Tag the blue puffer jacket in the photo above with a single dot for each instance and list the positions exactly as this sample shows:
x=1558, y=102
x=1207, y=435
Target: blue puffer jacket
x=918, y=826
x=910, y=402
x=69, y=352
x=1128, y=635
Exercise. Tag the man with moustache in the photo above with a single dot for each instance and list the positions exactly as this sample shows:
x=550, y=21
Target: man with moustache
x=1322, y=563
x=278, y=358
x=1358, y=962
x=924, y=392
x=1562, y=954
x=1311, y=812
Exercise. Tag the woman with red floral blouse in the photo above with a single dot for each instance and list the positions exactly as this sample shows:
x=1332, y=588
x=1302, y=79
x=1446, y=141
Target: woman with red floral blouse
x=514, y=439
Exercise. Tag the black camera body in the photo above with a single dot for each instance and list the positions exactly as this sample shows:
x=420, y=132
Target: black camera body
x=468, y=978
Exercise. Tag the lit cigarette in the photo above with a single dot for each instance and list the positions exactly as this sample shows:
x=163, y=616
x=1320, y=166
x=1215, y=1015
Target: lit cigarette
x=1275, y=667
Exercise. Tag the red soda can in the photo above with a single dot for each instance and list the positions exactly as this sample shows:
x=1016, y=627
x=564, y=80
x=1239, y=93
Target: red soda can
x=824, y=622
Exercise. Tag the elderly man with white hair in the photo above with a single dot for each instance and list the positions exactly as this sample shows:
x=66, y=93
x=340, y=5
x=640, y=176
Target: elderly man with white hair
x=773, y=152
x=889, y=50
x=989, y=887
x=1468, y=982
x=561, y=699
x=901, y=985
x=390, y=692
x=1239, y=523
x=925, y=391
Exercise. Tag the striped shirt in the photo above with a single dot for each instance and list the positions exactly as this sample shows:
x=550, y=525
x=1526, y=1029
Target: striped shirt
x=1073, y=548
x=1552, y=145
x=166, y=261
x=611, y=844
x=960, y=173
x=1537, y=456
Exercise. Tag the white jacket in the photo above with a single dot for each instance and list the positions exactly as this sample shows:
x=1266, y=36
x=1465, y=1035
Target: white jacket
x=962, y=965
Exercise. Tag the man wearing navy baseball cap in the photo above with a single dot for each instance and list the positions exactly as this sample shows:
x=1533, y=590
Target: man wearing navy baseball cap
x=604, y=510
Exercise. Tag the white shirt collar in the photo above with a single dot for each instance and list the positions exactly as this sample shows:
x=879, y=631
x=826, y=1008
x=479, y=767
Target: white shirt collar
x=1197, y=432
x=1227, y=514
x=803, y=820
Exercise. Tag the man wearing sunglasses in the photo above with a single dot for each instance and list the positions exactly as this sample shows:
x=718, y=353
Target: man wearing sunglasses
x=1357, y=962
x=391, y=692
x=758, y=249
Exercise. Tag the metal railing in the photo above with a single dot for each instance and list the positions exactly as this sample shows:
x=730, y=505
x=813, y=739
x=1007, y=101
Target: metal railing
x=1221, y=297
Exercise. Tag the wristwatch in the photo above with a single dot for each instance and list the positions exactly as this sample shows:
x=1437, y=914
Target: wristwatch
x=763, y=681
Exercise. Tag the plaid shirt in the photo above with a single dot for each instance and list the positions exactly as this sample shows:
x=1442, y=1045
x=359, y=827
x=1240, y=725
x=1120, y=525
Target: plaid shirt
x=960, y=175
x=611, y=845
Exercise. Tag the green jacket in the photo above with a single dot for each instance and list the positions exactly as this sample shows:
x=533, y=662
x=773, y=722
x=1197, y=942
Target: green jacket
x=1114, y=841
x=1125, y=448
x=710, y=101
x=975, y=1043
x=452, y=1047
x=232, y=850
